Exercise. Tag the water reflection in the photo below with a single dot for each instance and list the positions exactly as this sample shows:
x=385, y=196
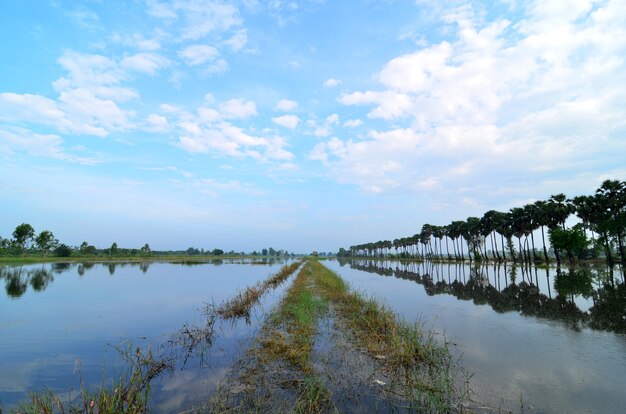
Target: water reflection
x=18, y=278
x=45, y=335
x=577, y=297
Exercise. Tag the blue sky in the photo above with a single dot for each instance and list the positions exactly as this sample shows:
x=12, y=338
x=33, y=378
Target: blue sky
x=300, y=124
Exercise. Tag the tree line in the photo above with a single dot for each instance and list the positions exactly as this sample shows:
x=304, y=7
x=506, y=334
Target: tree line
x=599, y=234
x=26, y=241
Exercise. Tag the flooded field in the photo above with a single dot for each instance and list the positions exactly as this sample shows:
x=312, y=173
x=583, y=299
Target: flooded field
x=61, y=322
x=535, y=340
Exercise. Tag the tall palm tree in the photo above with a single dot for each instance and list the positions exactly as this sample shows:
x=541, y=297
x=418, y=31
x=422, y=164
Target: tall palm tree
x=503, y=228
x=612, y=201
x=472, y=231
x=559, y=209
x=584, y=206
x=542, y=218
x=519, y=226
x=488, y=228
x=532, y=216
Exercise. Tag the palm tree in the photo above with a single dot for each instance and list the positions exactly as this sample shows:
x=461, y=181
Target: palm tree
x=438, y=233
x=542, y=218
x=488, y=227
x=503, y=228
x=532, y=215
x=584, y=206
x=519, y=225
x=458, y=231
x=611, y=200
x=558, y=209
x=472, y=231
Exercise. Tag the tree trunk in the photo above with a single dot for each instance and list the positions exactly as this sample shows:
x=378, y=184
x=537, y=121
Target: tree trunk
x=621, y=247
x=494, y=245
x=545, y=251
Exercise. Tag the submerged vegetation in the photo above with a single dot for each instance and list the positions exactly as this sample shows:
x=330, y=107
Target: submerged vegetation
x=328, y=349
x=128, y=394
x=239, y=306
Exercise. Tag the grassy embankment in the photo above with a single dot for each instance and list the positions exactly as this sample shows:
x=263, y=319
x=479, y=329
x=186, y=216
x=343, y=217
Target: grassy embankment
x=326, y=349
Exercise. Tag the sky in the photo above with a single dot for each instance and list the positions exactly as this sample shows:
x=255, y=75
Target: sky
x=301, y=125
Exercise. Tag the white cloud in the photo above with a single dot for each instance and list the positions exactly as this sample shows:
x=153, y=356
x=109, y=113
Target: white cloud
x=331, y=83
x=210, y=132
x=213, y=187
x=219, y=66
x=44, y=145
x=197, y=18
x=89, y=96
x=286, y=105
x=287, y=121
x=198, y=54
x=161, y=10
x=520, y=97
x=83, y=17
x=157, y=123
x=208, y=115
x=324, y=129
x=353, y=123
x=332, y=119
x=136, y=40
x=237, y=109
x=144, y=62
x=238, y=41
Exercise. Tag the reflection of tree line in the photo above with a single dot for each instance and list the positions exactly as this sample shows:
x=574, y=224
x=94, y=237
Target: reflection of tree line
x=507, y=293
x=18, y=278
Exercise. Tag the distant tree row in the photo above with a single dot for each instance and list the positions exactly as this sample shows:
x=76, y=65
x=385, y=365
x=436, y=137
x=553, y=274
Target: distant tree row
x=599, y=234
x=26, y=241
x=25, y=238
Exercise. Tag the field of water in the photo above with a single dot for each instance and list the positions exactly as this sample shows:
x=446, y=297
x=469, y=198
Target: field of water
x=63, y=322
x=537, y=340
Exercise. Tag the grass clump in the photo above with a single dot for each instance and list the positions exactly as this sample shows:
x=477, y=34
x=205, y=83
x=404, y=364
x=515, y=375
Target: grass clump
x=421, y=367
x=241, y=304
x=313, y=397
x=126, y=395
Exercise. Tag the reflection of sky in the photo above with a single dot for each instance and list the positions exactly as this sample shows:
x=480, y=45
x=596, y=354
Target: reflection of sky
x=74, y=322
x=551, y=367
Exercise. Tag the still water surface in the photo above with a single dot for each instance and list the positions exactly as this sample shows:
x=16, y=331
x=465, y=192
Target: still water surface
x=552, y=342
x=58, y=322
x=528, y=344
